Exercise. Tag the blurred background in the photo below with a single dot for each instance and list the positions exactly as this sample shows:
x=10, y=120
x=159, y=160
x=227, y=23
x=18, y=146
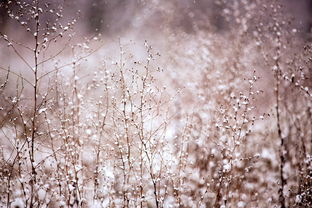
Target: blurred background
x=116, y=17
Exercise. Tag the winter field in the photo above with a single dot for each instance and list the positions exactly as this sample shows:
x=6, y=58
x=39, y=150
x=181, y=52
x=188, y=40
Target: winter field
x=155, y=103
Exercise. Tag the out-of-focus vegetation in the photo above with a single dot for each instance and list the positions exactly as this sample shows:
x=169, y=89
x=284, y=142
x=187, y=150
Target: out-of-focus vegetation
x=155, y=104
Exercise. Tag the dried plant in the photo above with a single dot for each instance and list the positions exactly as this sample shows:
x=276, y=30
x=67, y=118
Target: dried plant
x=218, y=116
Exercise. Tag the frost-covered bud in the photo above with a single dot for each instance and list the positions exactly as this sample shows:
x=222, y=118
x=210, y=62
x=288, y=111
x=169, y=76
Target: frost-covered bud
x=17, y=203
x=227, y=167
x=41, y=194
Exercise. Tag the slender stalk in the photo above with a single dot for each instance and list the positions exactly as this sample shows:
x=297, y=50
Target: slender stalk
x=33, y=129
x=279, y=131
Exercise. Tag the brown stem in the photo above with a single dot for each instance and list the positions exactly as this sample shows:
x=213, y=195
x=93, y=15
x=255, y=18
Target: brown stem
x=282, y=147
